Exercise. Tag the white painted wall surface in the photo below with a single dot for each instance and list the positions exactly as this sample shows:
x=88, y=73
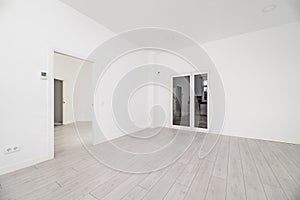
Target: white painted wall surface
x=122, y=103
x=173, y=66
x=29, y=30
x=260, y=73
x=83, y=94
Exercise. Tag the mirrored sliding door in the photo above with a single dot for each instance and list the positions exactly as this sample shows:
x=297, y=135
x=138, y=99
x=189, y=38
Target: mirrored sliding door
x=181, y=101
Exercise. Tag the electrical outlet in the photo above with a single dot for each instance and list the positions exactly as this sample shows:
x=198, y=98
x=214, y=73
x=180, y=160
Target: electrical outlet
x=12, y=149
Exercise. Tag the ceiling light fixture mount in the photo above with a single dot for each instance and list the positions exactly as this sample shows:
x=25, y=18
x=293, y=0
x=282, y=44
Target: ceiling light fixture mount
x=269, y=8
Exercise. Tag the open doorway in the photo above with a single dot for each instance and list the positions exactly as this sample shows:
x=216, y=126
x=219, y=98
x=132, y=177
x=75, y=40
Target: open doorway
x=72, y=101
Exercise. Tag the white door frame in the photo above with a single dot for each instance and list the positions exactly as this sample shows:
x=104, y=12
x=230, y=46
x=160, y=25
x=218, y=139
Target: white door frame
x=192, y=102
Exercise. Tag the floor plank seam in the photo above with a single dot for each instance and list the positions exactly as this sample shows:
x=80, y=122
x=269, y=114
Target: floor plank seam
x=143, y=187
x=58, y=184
x=93, y=195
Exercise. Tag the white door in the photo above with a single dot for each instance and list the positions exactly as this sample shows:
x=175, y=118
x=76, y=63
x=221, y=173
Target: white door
x=181, y=115
x=200, y=104
x=190, y=101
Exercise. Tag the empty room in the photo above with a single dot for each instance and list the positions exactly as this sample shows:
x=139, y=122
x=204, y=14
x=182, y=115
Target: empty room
x=150, y=100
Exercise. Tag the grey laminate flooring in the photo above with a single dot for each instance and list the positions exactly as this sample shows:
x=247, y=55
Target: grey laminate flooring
x=236, y=168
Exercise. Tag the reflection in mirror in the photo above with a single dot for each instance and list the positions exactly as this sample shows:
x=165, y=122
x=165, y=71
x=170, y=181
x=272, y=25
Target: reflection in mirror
x=201, y=101
x=181, y=101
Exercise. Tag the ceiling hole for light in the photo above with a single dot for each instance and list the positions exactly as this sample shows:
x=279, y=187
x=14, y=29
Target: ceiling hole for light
x=269, y=8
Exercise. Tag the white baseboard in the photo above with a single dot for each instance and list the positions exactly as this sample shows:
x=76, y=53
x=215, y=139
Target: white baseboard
x=257, y=138
x=22, y=165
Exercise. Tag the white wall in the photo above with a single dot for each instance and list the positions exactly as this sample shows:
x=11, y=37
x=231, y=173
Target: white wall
x=29, y=30
x=75, y=73
x=260, y=73
x=174, y=65
x=122, y=105
x=83, y=94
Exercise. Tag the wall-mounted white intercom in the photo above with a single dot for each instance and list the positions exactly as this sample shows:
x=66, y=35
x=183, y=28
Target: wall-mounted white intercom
x=43, y=75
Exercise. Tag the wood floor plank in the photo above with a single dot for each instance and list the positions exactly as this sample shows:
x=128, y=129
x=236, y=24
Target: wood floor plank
x=290, y=166
x=105, y=188
x=88, y=197
x=253, y=185
x=136, y=193
x=217, y=185
x=269, y=181
x=123, y=189
x=161, y=188
x=235, y=179
x=290, y=153
x=185, y=179
x=83, y=184
x=41, y=192
x=25, y=188
x=177, y=192
x=221, y=165
x=199, y=186
x=287, y=183
x=153, y=178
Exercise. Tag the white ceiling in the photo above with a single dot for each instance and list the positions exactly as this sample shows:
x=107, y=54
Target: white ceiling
x=204, y=20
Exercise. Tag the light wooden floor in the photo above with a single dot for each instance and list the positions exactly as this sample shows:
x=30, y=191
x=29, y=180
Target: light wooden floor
x=236, y=168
